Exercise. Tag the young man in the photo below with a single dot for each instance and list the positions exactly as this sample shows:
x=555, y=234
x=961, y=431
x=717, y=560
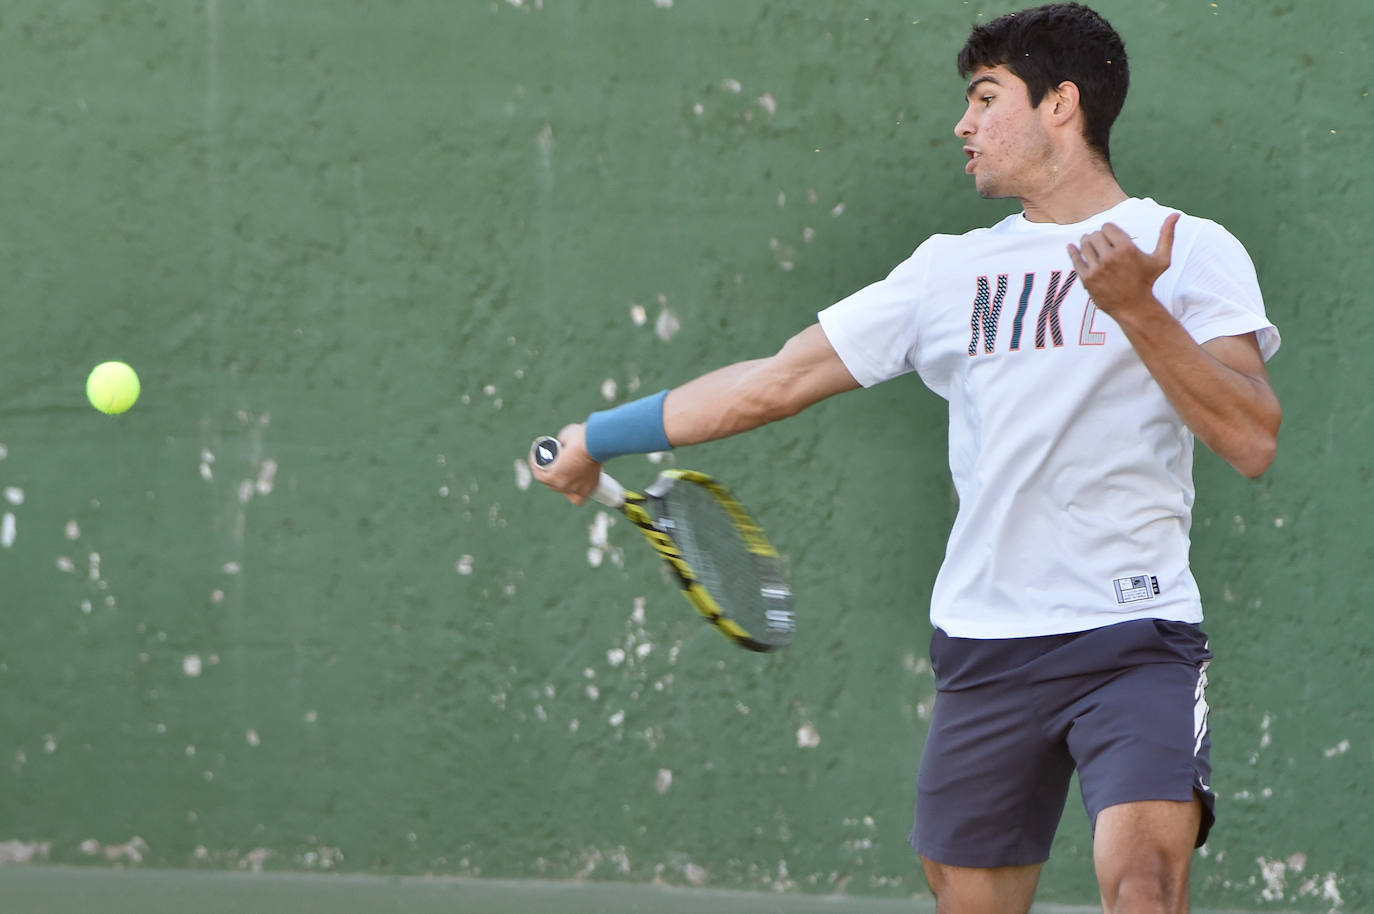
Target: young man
x=1081, y=344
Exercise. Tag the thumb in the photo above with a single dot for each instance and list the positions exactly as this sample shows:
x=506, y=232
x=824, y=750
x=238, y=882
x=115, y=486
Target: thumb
x=1165, y=248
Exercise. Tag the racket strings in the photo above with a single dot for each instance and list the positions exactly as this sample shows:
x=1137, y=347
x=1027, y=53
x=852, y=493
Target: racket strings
x=749, y=588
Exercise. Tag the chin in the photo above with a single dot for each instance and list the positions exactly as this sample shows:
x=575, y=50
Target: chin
x=992, y=190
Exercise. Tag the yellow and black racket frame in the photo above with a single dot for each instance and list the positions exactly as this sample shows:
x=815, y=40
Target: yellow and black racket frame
x=780, y=621
x=635, y=506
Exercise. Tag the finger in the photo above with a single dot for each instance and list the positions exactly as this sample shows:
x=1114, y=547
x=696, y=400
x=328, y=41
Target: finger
x=576, y=499
x=1092, y=249
x=1164, y=250
x=1115, y=235
x=1076, y=259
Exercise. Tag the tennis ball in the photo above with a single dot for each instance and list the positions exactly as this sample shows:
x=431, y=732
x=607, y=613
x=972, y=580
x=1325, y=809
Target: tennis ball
x=112, y=387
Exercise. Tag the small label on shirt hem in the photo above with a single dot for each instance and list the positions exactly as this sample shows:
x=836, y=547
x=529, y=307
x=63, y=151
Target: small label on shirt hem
x=1136, y=588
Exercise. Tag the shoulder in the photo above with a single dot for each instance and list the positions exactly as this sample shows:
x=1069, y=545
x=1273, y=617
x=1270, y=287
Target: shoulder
x=1194, y=233
x=942, y=245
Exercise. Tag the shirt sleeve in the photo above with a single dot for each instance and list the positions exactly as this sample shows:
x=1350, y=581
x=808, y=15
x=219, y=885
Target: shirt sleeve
x=874, y=331
x=1217, y=293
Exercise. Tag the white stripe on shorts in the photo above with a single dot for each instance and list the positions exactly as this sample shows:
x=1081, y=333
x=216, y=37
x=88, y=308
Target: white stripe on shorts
x=1200, y=708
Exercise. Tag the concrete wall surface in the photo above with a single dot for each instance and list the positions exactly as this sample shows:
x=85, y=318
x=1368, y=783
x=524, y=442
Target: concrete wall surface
x=302, y=609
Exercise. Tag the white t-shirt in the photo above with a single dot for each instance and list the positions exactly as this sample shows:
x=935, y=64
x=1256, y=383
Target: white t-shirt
x=1073, y=470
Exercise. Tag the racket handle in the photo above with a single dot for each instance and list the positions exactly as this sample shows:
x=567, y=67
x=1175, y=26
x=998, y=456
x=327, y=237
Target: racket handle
x=608, y=492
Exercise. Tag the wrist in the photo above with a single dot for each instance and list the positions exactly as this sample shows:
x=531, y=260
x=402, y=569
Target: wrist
x=631, y=428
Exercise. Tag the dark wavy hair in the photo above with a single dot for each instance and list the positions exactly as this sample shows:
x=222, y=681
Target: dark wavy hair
x=1047, y=45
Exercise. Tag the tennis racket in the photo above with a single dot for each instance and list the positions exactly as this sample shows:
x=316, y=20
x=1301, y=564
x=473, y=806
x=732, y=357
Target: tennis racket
x=724, y=564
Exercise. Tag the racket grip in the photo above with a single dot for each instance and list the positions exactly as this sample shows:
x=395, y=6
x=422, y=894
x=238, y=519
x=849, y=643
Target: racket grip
x=608, y=492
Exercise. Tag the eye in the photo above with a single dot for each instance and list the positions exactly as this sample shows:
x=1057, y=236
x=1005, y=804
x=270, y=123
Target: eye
x=987, y=100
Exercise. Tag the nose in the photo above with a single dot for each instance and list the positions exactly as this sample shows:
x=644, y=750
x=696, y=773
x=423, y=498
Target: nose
x=964, y=128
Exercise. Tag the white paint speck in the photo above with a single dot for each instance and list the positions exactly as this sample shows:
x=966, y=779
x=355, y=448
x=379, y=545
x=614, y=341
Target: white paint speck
x=63, y=563
x=664, y=4
x=663, y=780
x=311, y=716
x=232, y=568
x=93, y=563
x=808, y=235
x=731, y=85
x=1272, y=872
x=14, y=495
x=808, y=737
x=637, y=614
x=24, y=851
x=769, y=103
x=86, y=607
x=4, y=452
x=49, y=743
x=267, y=477
x=609, y=389
x=252, y=738
x=217, y=597
x=523, y=475
x=1339, y=749
x=616, y=719
x=190, y=665
x=638, y=315
x=595, y=556
x=593, y=692
x=73, y=530
x=667, y=325
x=599, y=530
x=615, y=656
x=1330, y=892
x=464, y=564
x=643, y=650
x=9, y=530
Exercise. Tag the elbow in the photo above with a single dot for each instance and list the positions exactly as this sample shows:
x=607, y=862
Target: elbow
x=1256, y=459
x=774, y=403
x=1260, y=448
x=776, y=392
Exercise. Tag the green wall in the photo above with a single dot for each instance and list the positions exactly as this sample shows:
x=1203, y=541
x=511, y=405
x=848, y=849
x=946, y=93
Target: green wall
x=301, y=608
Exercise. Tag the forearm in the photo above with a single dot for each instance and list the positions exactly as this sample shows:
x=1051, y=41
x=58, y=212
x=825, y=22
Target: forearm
x=1234, y=412
x=721, y=403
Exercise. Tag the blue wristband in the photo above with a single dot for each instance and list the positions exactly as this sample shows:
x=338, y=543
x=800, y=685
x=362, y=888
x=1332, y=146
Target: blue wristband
x=631, y=428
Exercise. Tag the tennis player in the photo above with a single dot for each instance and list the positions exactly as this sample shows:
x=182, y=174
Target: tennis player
x=1082, y=344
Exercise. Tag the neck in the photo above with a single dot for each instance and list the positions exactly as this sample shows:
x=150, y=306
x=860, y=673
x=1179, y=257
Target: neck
x=1074, y=191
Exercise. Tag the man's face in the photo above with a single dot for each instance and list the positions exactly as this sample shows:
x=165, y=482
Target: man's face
x=1006, y=141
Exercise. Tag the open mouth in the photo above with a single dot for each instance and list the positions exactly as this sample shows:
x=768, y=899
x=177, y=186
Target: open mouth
x=973, y=156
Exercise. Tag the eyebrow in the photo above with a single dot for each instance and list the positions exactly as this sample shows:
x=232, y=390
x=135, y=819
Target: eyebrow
x=968, y=93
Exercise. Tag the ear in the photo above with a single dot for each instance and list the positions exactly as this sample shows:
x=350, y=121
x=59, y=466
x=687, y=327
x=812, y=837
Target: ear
x=1063, y=103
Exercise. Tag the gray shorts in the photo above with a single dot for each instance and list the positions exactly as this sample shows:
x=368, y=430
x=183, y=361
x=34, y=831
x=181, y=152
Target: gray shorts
x=1014, y=717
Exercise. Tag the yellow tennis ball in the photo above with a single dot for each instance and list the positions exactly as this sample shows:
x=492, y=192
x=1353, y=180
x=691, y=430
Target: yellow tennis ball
x=112, y=387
